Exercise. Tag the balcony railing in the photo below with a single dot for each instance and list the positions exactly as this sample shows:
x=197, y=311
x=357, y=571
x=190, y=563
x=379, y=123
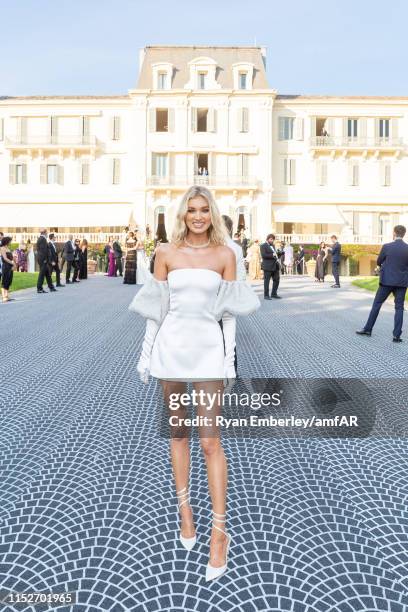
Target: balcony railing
x=358, y=142
x=198, y=179
x=59, y=140
x=317, y=238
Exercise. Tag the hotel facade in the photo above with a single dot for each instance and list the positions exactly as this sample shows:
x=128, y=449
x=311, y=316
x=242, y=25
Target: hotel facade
x=301, y=166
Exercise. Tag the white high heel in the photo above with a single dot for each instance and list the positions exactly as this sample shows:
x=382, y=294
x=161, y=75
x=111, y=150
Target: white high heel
x=188, y=543
x=215, y=572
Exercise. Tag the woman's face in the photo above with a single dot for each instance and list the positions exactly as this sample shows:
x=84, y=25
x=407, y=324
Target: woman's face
x=198, y=215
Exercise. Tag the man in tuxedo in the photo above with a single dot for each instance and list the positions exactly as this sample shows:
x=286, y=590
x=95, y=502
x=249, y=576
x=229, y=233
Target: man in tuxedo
x=393, y=259
x=335, y=253
x=54, y=259
x=68, y=255
x=43, y=258
x=117, y=249
x=300, y=260
x=270, y=266
x=76, y=262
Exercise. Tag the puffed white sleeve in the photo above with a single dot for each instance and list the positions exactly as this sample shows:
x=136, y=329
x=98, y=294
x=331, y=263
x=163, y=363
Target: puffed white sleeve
x=152, y=302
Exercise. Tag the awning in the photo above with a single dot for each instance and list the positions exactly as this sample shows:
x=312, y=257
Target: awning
x=309, y=213
x=65, y=215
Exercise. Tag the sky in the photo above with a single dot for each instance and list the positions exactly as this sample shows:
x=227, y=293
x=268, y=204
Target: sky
x=91, y=47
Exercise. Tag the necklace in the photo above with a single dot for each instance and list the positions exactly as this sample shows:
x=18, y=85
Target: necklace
x=195, y=246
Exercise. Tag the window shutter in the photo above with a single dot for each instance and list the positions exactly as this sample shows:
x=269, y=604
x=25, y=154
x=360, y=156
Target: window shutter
x=394, y=128
x=245, y=119
x=324, y=173
x=171, y=119
x=85, y=126
x=387, y=175
x=245, y=164
x=24, y=173
x=43, y=174
x=298, y=128
x=330, y=126
x=85, y=173
x=22, y=129
x=1, y=129
x=54, y=129
x=281, y=128
x=293, y=172
x=240, y=119
x=171, y=164
x=313, y=127
x=153, y=167
x=194, y=119
x=285, y=172
x=152, y=119
x=12, y=174
x=211, y=120
x=60, y=172
x=345, y=127
x=116, y=128
x=116, y=171
x=213, y=164
x=362, y=129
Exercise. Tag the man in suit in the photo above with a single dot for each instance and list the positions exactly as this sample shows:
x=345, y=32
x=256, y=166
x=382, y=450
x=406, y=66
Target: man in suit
x=393, y=259
x=68, y=255
x=300, y=258
x=43, y=258
x=271, y=266
x=54, y=259
x=335, y=253
x=76, y=262
x=117, y=249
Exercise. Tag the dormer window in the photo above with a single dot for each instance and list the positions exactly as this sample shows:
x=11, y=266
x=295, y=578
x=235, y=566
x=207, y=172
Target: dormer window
x=162, y=74
x=243, y=73
x=202, y=80
x=242, y=80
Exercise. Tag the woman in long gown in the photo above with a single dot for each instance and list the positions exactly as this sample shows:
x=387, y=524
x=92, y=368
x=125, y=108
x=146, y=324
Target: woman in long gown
x=130, y=260
x=8, y=266
x=30, y=256
x=111, y=261
x=192, y=289
x=142, y=269
x=254, y=256
x=320, y=270
x=83, y=265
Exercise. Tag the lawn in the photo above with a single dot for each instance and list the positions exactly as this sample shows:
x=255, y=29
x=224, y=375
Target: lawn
x=23, y=280
x=370, y=283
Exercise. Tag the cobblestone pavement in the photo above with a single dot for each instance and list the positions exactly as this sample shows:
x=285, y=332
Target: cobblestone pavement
x=87, y=501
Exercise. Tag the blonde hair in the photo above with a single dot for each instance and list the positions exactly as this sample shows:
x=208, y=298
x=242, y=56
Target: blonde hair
x=217, y=232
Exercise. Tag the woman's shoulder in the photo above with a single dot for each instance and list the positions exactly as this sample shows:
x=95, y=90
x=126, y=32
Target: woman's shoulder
x=223, y=250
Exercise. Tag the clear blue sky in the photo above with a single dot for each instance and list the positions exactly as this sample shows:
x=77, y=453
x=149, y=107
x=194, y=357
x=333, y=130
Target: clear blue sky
x=348, y=47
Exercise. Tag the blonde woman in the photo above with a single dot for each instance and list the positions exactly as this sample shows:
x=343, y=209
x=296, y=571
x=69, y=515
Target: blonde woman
x=254, y=258
x=192, y=288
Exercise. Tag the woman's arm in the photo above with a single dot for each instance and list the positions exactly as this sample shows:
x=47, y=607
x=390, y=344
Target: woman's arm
x=3, y=251
x=230, y=265
x=161, y=261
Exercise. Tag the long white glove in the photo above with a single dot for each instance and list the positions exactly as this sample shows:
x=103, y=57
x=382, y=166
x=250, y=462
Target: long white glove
x=143, y=365
x=228, y=328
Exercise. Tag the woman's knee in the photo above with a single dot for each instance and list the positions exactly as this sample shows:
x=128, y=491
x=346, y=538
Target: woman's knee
x=210, y=446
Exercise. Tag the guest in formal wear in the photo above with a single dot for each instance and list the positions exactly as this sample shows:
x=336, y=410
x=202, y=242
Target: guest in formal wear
x=130, y=260
x=20, y=258
x=54, y=265
x=106, y=249
x=111, y=262
x=393, y=259
x=76, y=262
x=1, y=265
x=8, y=266
x=270, y=266
x=117, y=249
x=254, y=256
x=335, y=253
x=320, y=268
x=196, y=274
x=43, y=260
x=83, y=266
x=300, y=259
x=68, y=255
x=289, y=258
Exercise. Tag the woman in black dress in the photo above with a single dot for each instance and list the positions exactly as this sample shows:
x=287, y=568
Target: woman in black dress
x=8, y=266
x=321, y=262
x=130, y=260
x=83, y=262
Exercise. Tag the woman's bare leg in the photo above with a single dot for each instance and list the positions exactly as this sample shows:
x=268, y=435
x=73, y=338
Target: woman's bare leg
x=180, y=455
x=217, y=470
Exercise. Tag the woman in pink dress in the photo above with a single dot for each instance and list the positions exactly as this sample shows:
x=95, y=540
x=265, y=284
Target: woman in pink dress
x=112, y=262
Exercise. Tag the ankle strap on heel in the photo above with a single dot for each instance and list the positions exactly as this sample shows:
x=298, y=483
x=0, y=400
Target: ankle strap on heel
x=220, y=518
x=183, y=493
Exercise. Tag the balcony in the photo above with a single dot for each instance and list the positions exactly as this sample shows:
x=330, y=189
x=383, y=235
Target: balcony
x=318, y=238
x=54, y=142
x=356, y=144
x=219, y=181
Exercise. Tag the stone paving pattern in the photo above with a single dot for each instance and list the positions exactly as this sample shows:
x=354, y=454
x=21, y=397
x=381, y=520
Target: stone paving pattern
x=87, y=501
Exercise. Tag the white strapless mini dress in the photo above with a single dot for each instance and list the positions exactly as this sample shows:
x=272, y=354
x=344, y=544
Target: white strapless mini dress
x=187, y=307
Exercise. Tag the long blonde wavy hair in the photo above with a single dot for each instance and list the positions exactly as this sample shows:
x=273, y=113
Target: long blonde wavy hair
x=217, y=232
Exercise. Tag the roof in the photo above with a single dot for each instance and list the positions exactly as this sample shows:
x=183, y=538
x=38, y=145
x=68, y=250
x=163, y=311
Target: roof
x=180, y=56
x=333, y=97
x=121, y=96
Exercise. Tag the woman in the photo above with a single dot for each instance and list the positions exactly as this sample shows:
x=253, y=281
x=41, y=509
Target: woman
x=106, y=249
x=130, y=260
x=83, y=263
x=321, y=263
x=111, y=260
x=8, y=266
x=20, y=258
x=193, y=287
x=161, y=237
x=254, y=257
x=142, y=270
x=30, y=256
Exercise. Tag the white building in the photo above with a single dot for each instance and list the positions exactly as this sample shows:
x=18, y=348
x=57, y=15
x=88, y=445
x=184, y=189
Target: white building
x=302, y=166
